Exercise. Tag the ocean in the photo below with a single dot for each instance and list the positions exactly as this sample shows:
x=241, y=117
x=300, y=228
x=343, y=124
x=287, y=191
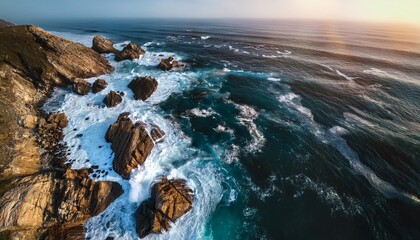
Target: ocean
x=283, y=129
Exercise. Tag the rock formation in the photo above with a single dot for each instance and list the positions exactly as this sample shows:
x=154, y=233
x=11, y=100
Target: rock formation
x=112, y=99
x=143, y=87
x=99, y=85
x=131, y=144
x=4, y=23
x=39, y=193
x=168, y=64
x=103, y=45
x=157, y=134
x=81, y=87
x=170, y=200
x=130, y=52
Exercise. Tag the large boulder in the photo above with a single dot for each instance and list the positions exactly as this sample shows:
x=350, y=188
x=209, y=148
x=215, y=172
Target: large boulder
x=168, y=64
x=143, y=87
x=131, y=144
x=55, y=199
x=103, y=45
x=81, y=87
x=169, y=201
x=130, y=52
x=99, y=85
x=112, y=99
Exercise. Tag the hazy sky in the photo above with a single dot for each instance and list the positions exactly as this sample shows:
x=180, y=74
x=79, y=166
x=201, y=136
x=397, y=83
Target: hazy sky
x=359, y=10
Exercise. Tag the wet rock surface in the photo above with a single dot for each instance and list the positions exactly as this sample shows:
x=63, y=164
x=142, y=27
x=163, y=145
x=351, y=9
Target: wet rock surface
x=130, y=52
x=143, y=87
x=81, y=87
x=99, y=85
x=112, y=99
x=131, y=144
x=103, y=45
x=169, y=201
x=157, y=134
x=168, y=64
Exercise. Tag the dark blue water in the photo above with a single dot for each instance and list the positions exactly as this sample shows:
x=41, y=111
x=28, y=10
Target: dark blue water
x=313, y=127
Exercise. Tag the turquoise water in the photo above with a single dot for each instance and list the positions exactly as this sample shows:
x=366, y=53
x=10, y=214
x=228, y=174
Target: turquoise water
x=285, y=130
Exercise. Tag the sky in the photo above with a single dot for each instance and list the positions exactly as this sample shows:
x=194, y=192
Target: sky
x=396, y=11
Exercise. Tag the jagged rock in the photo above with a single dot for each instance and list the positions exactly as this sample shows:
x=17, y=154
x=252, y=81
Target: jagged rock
x=112, y=99
x=29, y=121
x=103, y=45
x=168, y=64
x=130, y=52
x=59, y=118
x=157, y=134
x=170, y=200
x=143, y=87
x=53, y=198
x=131, y=144
x=81, y=87
x=99, y=85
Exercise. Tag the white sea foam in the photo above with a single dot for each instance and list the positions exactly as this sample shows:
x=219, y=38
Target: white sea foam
x=205, y=37
x=202, y=112
x=174, y=157
x=345, y=76
x=285, y=52
x=375, y=71
x=248, y=115
x=274, y=79
x=82, y=39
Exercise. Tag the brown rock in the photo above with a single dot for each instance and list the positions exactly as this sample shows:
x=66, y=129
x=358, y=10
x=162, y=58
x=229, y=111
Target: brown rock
x=81, y=87
x=130, y=143
x=112, y=99
x=130, y=52
x=29, y=121
x=168, y=64
x=103, y=45
x=99, y=85
x=157, y=134
x=170, y=200
x=59, y=118
x=51, y=199
x=143, y=87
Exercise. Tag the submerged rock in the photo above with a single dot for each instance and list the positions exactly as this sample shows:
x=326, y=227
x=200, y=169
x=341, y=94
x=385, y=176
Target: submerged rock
x=103, y=45
x=81, y=87
x=143, y=87
x=168, y=64
x=131, y=144
x=130, y=52
x=169, y=201
x=112, y=99
x=99, y=85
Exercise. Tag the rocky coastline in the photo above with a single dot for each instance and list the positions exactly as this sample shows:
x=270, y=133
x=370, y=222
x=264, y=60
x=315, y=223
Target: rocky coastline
x=41, y=197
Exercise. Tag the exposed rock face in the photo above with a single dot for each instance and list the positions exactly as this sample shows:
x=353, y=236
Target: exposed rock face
x=4, y=23
x=49, y=199
x=168, y=64
x=131, y=144
x=170, y=200
x=81, y=87
x=157, y=134
x=99, y=85
x=143, y=87
x=103, y=45
x=37, y=192
x=130, y=52
x=112, y=99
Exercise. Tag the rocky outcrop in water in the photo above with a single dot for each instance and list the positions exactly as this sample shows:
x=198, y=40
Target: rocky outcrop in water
x=157, y=134
x=143, y=87
x=131, y=144
x=130, y=52
x=168, y=64
x=39, y=194
x=81, y=87
x=103, y=45
x=112, y=99
x=170, y=200
x=99, y=85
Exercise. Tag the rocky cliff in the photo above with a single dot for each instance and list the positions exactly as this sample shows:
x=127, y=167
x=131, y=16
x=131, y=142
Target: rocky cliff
x=40, y=197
